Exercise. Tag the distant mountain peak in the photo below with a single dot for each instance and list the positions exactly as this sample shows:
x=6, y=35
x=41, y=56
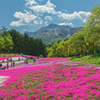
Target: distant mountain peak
x=53, y=33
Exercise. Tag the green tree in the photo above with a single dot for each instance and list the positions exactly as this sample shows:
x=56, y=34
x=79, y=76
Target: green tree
x=2, y=43
x=93, y=25
x=26, y=44
x=8, y=43
x=18, y=41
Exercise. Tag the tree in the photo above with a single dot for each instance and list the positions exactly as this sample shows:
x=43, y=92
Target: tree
x=18, y=41
x=8, y=43
x=2, y=42
x=94, y=18
x=26, y=44
x=4, y=31
x=93, y=25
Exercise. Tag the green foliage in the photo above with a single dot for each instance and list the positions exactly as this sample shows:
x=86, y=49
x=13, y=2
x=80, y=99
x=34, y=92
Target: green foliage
x=14, y=41
x=84, y=41
x=57, y=49
x=40, y=55
x=8, y=55
x=87, y=59
x=8, y=43
x=2, y=42
x=50, y=38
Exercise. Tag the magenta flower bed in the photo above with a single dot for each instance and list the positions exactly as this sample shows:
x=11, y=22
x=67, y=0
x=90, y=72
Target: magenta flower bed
x=56, y=81
x=31, y=56
x=50, y=59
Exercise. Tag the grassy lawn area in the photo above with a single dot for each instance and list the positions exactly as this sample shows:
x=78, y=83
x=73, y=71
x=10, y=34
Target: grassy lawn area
x=87, y=59
x=8, y=55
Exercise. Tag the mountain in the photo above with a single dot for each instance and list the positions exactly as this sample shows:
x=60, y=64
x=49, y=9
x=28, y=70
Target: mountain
x=53, y=33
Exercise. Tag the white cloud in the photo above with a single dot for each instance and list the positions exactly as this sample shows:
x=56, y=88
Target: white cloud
x=25, y=18
x=69, y=24
x=30, y=2
x=76, y=15
x=46, y=22
x=48, y=18
x=29, y=18
x=48, y=7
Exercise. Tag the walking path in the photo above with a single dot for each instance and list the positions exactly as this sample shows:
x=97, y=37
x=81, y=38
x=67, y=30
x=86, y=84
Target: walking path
x=13, y=59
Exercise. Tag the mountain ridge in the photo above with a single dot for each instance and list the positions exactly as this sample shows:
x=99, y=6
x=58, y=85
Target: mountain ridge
x=53, y=31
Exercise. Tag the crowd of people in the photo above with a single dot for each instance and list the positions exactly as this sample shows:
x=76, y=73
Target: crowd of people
x=7, y=66
x=13, y=62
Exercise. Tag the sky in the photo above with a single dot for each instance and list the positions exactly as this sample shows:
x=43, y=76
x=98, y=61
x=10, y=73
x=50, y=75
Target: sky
x=31, y=15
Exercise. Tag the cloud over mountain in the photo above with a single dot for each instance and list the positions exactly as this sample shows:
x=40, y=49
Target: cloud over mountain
x=69, y=24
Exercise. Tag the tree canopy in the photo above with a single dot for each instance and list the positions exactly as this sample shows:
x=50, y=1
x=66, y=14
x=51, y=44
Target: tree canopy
x=86, y=40
x=13, y=41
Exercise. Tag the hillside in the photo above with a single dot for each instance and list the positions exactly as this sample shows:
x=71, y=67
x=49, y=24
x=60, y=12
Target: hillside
x=53, y=33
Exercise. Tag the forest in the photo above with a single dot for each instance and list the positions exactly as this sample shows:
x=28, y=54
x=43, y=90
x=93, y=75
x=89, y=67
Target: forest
x=11, y=41
x=84, y=41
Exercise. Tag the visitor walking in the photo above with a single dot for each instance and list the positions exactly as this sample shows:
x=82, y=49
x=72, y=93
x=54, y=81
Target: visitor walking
x=26, y=61
x=0, y=65
x=13, y=63
x=7, y=65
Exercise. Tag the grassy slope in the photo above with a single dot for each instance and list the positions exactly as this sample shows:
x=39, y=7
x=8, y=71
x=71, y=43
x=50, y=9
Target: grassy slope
x=87, y=59
x=8, y=55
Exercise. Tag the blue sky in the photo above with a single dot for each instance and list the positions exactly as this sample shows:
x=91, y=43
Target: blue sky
x=31, y=15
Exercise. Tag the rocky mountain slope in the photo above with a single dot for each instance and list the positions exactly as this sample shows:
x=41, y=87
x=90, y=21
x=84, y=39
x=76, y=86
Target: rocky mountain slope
x=53, y=33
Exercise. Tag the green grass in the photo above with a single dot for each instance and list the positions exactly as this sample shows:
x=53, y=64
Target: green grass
x=8, y=55
x=87, y=59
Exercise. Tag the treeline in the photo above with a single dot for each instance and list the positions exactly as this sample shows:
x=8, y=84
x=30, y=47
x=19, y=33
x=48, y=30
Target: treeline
x=13, y=41
x=82, y=42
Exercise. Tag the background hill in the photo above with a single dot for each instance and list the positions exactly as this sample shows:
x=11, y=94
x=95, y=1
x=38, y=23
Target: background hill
x=53, y=33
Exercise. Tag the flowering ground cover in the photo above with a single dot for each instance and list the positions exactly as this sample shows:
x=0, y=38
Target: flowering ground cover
x=56, y=79
x=31, y=56
x=50, y=59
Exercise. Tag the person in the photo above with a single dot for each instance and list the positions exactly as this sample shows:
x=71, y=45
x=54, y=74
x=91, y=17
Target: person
x=4, y=68
x=13, y=63
x=26, y=61
x=34, y=59
x=19, y=59
x=7, y=60
x=3, y=60
x=7, y=65
x=0, y=65
x=11, y=60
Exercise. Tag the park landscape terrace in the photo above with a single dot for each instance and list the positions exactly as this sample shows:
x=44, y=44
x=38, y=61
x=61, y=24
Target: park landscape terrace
x=51, y=79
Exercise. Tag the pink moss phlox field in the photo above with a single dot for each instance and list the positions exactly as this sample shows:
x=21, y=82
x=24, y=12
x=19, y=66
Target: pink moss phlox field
x=51, y=79
x=31, y=56
x=51, y=59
